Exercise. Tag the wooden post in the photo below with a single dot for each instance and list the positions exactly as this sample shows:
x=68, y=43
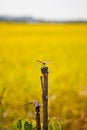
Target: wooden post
x=44, y=84
x=37, y=107
x=37, y=112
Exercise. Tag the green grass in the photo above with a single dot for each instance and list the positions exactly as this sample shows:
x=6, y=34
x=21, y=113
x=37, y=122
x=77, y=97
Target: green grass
x=27, y=125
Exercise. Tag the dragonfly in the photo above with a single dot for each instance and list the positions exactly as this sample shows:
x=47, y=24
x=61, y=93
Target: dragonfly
x=42, y=62
x=35, y=103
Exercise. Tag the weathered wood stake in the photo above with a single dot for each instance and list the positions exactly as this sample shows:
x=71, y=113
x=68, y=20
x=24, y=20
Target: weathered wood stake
x=44, y=84
x=37, y=107
x=37, y=112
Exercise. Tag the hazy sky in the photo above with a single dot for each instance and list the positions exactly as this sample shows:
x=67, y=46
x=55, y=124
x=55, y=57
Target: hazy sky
x=49, y=9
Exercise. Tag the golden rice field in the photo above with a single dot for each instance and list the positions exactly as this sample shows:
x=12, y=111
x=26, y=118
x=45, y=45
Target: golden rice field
x=64, y=47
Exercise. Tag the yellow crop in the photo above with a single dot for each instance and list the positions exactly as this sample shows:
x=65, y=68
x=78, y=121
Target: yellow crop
x=64, y=47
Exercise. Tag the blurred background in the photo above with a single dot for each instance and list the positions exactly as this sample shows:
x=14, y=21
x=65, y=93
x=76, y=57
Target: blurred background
x=49, y=30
